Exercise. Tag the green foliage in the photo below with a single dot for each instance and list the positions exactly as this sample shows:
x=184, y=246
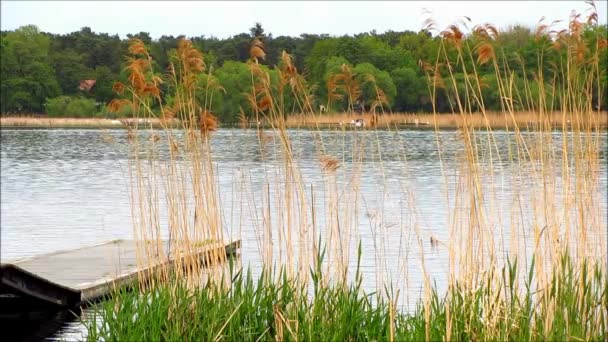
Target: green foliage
x=371, y=78
x=285, y=309
x=36, y=66
x=103, y=88
x=235, y=78
x=70, y=106
x=316, y=61
x=420, y=45
x=81, y=107
x=57, y=106
x=412, y=89
x=69, y=69
x=385, y=57
x=333, y=66
x=27, y=78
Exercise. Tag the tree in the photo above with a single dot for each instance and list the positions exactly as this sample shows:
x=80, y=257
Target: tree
x=410, y=87
x=353, y=49
x=374, y=83
x=384, y=57
x=160, y=49
x=420, y=45
x=304, y=46
x=316, y=59
x=36, y=65
x=276, y=46
x=235, y=78
x=103, y=87
x=331, y=91
x=27, y=78
x=69, y=70
x=257, y=31
x=96, y=49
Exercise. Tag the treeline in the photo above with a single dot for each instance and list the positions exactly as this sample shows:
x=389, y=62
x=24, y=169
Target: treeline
x=42, y=72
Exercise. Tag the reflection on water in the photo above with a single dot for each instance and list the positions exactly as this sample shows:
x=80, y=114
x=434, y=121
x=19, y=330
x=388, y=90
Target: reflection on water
x=63, y=189
x=28, y=322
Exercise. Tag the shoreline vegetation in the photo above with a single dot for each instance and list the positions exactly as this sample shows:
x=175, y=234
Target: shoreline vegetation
x=72, y=74
x=533, y=269
x=494, y=120
x=250, y=309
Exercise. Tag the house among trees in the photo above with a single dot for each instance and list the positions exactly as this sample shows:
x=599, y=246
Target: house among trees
x=87, y=85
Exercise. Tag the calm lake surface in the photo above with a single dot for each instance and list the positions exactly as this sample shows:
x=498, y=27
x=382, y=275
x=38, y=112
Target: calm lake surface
x=64, y=189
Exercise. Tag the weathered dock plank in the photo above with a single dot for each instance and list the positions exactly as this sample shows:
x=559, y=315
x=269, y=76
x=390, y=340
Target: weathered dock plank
x=71, y=277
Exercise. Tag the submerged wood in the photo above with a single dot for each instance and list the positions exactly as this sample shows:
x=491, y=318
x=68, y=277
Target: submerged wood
x=73, y=277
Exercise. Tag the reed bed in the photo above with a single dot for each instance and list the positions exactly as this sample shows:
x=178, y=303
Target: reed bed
x=533, y=270
x=494, y=120
x=44, y=122
x=25, y=121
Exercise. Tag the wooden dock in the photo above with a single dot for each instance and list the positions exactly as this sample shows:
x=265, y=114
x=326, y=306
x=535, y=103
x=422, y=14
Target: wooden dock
x=70, y=278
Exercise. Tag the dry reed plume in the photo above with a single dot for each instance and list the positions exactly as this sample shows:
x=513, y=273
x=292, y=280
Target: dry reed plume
x=556, y=206
x=186, y=177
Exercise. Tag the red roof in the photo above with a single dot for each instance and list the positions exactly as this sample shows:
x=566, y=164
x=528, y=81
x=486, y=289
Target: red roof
x=87, y=85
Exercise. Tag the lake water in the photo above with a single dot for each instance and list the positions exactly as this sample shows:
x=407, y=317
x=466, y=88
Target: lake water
x=63, y=189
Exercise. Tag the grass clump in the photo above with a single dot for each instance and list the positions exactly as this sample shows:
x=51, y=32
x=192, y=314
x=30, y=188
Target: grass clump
x=248, y=309
x=257, y=309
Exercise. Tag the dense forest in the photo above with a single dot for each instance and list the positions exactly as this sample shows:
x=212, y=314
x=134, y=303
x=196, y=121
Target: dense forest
x=43, y=72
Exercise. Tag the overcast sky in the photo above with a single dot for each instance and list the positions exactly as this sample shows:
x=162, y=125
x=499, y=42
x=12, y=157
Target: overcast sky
x=226, y=18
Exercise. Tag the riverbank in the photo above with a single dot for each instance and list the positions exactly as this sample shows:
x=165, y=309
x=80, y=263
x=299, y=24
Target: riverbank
x=46, y=122
x=494, y=120
x=522, y=120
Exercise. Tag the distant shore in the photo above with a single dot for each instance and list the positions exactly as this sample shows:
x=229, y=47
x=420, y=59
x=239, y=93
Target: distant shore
x=523, y=120
x=46, y=122
x=494, y=120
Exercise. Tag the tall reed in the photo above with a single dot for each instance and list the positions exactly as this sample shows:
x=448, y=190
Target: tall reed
x=534, y=271
x=567, y=232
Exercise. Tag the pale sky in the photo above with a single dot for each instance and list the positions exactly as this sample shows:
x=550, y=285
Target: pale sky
x=223, y=19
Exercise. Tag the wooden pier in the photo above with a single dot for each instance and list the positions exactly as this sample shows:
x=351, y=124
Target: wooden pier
x=70, y=278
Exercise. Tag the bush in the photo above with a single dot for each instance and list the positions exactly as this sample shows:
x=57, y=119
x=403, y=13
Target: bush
x=70, y=106
x=56, y=106
x=81, y=107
